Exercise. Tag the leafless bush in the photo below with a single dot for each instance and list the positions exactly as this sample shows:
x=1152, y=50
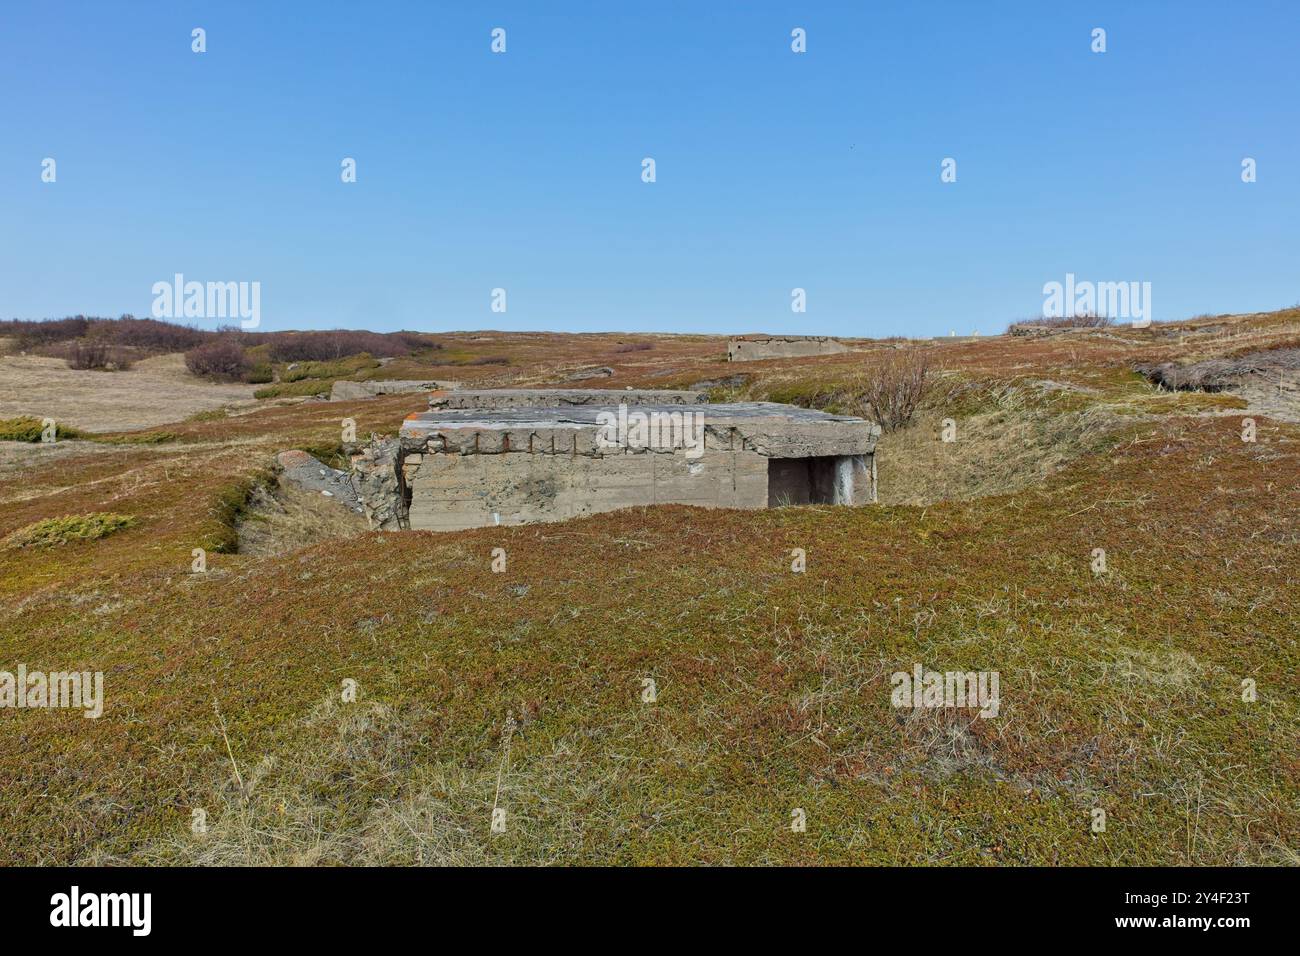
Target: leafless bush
x=154, y=336
x=634, y=346
x=32, y=335
x=144, y=335
x=892, y=389
x=326, y=346
x=223, y=360
x=98, y=356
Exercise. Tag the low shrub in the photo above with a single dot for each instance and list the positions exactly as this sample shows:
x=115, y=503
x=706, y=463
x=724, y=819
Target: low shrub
x=307, y=386
x=222, y=360
x=153, y=336
x=52, y=531
x=149, y=335
x=95, y=355
x=29, y=428
x=259, y=374
x=31, y=335
x=327, y=346
x=339, y=368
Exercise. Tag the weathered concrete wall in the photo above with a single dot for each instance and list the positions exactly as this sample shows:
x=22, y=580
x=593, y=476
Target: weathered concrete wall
x=495, y=398
x=350, y=391
x=454, y=491
x=756, y=348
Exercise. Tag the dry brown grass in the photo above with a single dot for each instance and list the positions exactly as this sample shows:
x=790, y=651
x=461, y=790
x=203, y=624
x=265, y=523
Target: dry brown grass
x=288, y=518
x=155, y=391
x=994, y=453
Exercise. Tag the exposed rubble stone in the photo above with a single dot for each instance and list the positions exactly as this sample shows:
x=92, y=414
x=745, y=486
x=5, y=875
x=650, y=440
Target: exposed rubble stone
x=310, y=474
x=374, y=475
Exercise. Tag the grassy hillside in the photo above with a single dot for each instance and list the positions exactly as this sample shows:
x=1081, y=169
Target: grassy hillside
x=523, y=690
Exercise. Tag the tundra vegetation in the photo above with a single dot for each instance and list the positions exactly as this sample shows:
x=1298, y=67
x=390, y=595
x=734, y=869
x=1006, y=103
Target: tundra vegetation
x=522, y=689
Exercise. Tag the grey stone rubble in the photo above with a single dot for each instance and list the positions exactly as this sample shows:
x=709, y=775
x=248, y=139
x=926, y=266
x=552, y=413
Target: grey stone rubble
x=375, y=477
x=1039, y=330
x=310, y=474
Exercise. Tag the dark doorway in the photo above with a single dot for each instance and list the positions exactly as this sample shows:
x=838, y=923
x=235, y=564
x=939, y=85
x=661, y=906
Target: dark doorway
x=800, y=481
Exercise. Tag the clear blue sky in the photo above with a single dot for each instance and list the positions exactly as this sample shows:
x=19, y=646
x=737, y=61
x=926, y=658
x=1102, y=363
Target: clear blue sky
x=523, y=170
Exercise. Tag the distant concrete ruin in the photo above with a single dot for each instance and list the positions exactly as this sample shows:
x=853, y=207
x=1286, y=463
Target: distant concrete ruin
x=346, y=391
x=542, y=455
x=753, y=348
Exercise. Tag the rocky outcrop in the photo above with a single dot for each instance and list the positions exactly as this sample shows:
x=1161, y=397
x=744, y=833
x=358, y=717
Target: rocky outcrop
x=582, y=374
x=374, y=476
x=1220, y=374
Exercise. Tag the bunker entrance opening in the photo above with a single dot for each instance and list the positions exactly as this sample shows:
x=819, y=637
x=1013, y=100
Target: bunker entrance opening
x=801, y=481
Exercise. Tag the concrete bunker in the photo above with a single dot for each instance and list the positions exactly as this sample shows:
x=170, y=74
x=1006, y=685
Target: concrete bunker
x=530, y=457
x=754, y=348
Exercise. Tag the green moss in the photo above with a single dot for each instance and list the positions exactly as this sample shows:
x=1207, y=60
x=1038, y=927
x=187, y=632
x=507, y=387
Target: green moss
x=68, y=528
